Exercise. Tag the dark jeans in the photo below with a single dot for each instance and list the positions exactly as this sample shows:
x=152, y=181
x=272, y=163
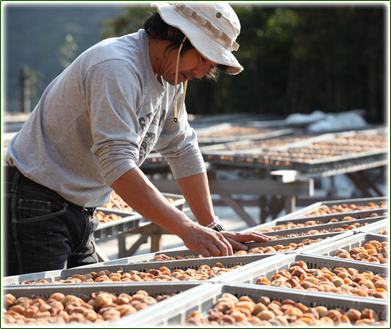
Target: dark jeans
x=43, y=231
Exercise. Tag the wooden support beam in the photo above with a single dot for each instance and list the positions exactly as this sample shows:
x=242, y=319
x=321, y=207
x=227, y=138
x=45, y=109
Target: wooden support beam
x=123, y=252
x=261, y=187
x=253, y=186
x=289, y=203
x=359, y=184
x=369, y=183
x=262, y=207
x=238, y=209
x=276, y=206
x=148, y=229
x=380, y=175
x=156, y=242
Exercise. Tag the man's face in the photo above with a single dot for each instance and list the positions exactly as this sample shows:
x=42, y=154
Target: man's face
x=191, y=65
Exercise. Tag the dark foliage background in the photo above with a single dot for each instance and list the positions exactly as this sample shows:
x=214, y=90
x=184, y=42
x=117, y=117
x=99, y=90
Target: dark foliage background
x=296, y=58
x=35, y=36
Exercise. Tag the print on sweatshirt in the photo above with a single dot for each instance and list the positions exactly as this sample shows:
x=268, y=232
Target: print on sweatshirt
x=149, y=139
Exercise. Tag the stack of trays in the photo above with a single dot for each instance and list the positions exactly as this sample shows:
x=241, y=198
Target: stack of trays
x=330, y=223
x=53, y=277
x=349, y=207
x=183, y=289
x=324, y=239
x=280, y=278
x=182, y=253
x=129, y=220
x=244, y=284
x=226, y=132
x=356, y=241
x=312, y=261
x=176, y=291
x=255, y=145
x=380, y=228
x=325, y=153
x=177, y=313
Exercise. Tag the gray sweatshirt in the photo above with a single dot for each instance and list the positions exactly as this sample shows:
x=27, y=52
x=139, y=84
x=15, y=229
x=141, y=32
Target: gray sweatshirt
x=100, y=118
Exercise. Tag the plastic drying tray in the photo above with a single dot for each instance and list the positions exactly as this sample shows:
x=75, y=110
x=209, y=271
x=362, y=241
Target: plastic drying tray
x=376, y=228
x=306, y=229
x=358, y=202
x=126, y=260
x=185, y=290
x=144, y=258
x=253, y=157
x=248, y=145
x=360, y=216
x=334, y=164
x=228, y=262
x=181, y=251
x=130, y=220
x=327, y=238
x=204, y=135
x=214, y=151
x=355, y=241
x=312, y=261
x=177, y=312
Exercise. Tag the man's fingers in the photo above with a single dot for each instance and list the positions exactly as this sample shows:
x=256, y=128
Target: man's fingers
x=236, y=244
x=245, y=237
x=224, y=246
x=259, y=237
x=205, y=252
x=214, y=249
x=237, y=239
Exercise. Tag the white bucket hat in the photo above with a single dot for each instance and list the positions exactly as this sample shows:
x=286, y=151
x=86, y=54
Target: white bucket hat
x=211, y=27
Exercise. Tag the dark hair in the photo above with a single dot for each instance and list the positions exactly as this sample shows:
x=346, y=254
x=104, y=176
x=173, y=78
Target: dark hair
x=156, y=28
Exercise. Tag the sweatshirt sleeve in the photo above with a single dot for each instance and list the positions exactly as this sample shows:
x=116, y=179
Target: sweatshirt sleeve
x=178, y=144
x=114, y=96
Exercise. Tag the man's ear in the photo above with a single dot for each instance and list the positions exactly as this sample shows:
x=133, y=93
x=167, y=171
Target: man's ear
x=172, y=32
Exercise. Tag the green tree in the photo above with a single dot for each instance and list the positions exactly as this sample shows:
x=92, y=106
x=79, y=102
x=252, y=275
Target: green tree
x=67, y=51
x=129, y=22
x=295, y=59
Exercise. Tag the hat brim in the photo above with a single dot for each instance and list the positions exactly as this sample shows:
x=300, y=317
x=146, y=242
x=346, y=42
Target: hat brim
x=202, y=41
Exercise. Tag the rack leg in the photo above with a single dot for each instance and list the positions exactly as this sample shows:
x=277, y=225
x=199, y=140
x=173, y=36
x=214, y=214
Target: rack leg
x=123, y=252
x=290, y=203
x=156, y=242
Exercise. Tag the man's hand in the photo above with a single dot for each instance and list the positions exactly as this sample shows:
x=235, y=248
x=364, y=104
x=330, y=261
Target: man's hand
x=208, y=242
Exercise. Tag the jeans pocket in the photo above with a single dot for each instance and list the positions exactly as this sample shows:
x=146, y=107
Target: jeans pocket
x=36, y=210
x=32, y=208
x=88, y=236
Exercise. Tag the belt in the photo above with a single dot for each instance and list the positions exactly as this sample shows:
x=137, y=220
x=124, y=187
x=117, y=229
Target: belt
x=11, y=171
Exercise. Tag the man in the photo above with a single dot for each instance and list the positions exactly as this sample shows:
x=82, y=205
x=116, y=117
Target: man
x=94, y=126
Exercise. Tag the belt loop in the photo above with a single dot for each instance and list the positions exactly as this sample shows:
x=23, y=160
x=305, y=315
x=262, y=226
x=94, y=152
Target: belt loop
x=91, y=211
x=15, y=180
